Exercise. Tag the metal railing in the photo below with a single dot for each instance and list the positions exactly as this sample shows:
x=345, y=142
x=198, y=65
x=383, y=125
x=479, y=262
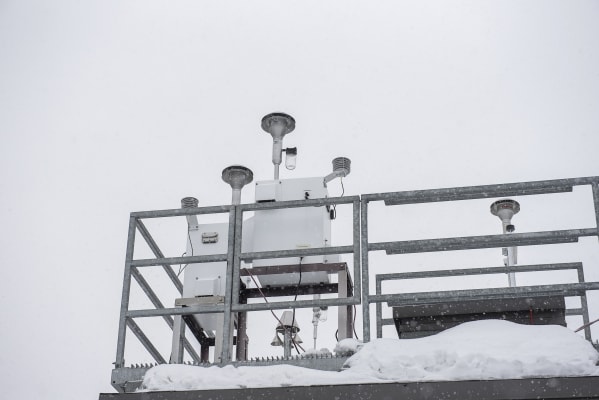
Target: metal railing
x=360, y=249
x=453, y=296
x=472, y=242
x=233, y=257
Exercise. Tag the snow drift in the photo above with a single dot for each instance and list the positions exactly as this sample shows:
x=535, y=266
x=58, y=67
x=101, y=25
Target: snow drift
x=490, y=349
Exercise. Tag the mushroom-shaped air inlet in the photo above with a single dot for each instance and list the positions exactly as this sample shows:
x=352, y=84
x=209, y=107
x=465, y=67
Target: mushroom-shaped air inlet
x=505, y=210
x=278, y=125
x=237, y=176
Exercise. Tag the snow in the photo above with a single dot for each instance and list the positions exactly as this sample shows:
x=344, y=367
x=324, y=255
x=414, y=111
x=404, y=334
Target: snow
x=491, y=349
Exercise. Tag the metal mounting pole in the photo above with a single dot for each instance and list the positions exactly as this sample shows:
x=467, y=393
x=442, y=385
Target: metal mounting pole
x=120, y=347
x=595, y=186
x=365, y=282
x=227, y=333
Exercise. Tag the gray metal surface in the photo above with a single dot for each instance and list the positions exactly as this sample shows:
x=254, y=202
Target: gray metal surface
x=431, y=318
x=120, y=347
x=569, y=289
x=480, y=192
x=480, y=271
x=501, y=389
x=380, y=321
x=595, y=188
x=483, y=242
x=365, y=272
x=227, y=332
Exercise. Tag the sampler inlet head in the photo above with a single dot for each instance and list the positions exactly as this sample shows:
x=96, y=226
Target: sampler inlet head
x=237, y=176
x=276, y=341
x=288, y=322
x=278, y=124
x=505, y=209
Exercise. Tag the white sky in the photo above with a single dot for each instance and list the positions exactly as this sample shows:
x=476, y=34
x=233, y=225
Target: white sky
x=108, y=107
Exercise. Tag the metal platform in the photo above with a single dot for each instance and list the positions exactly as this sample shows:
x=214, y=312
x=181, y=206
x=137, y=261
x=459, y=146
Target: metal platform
x=520, y=389
x=359, y=292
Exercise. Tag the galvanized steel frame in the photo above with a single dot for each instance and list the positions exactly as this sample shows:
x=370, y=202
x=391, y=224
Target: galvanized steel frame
x=473, y=242
x=380, y=322
x=360, y=249
x=233, y=257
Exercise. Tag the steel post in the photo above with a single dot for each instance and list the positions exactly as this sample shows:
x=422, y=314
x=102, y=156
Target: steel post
x=483, y=242
x=177, y=340
x=120, y=348
x=595, y=187
x=357, y=244
x=584, y=307
x=478, y=271
x=568, y=289
x=379, y=310
x=227, y=333
x=365, y=272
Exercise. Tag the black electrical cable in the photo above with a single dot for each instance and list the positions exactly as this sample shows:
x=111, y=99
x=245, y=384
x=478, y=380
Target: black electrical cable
x=181, y=265
x=342, y=193
x=354, y=324
x=297, y=289
x=191, y=245
x=271, y=311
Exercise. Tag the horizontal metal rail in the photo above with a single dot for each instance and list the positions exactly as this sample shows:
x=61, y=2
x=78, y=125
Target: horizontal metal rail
x=274, y=205
x=479, y=192
x=479, y=271
x=569, y=289
x=178, y=212
x=280, y=305
x=312, y=251
x=204, y=309
x=149, y=262
x=482, y=242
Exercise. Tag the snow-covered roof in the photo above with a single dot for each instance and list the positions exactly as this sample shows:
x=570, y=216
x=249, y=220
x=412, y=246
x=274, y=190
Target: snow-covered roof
x=489, y=349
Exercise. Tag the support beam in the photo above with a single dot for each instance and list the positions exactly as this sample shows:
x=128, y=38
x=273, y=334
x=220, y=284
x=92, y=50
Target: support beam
x=141, y=336
x=158, y=304
x=569, y=289
x=120, y=347
x=479, y=192
x=482, y=242
x=158, y=253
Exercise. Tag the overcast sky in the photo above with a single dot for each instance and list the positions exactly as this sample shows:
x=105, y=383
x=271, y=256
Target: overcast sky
x=108, y=107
